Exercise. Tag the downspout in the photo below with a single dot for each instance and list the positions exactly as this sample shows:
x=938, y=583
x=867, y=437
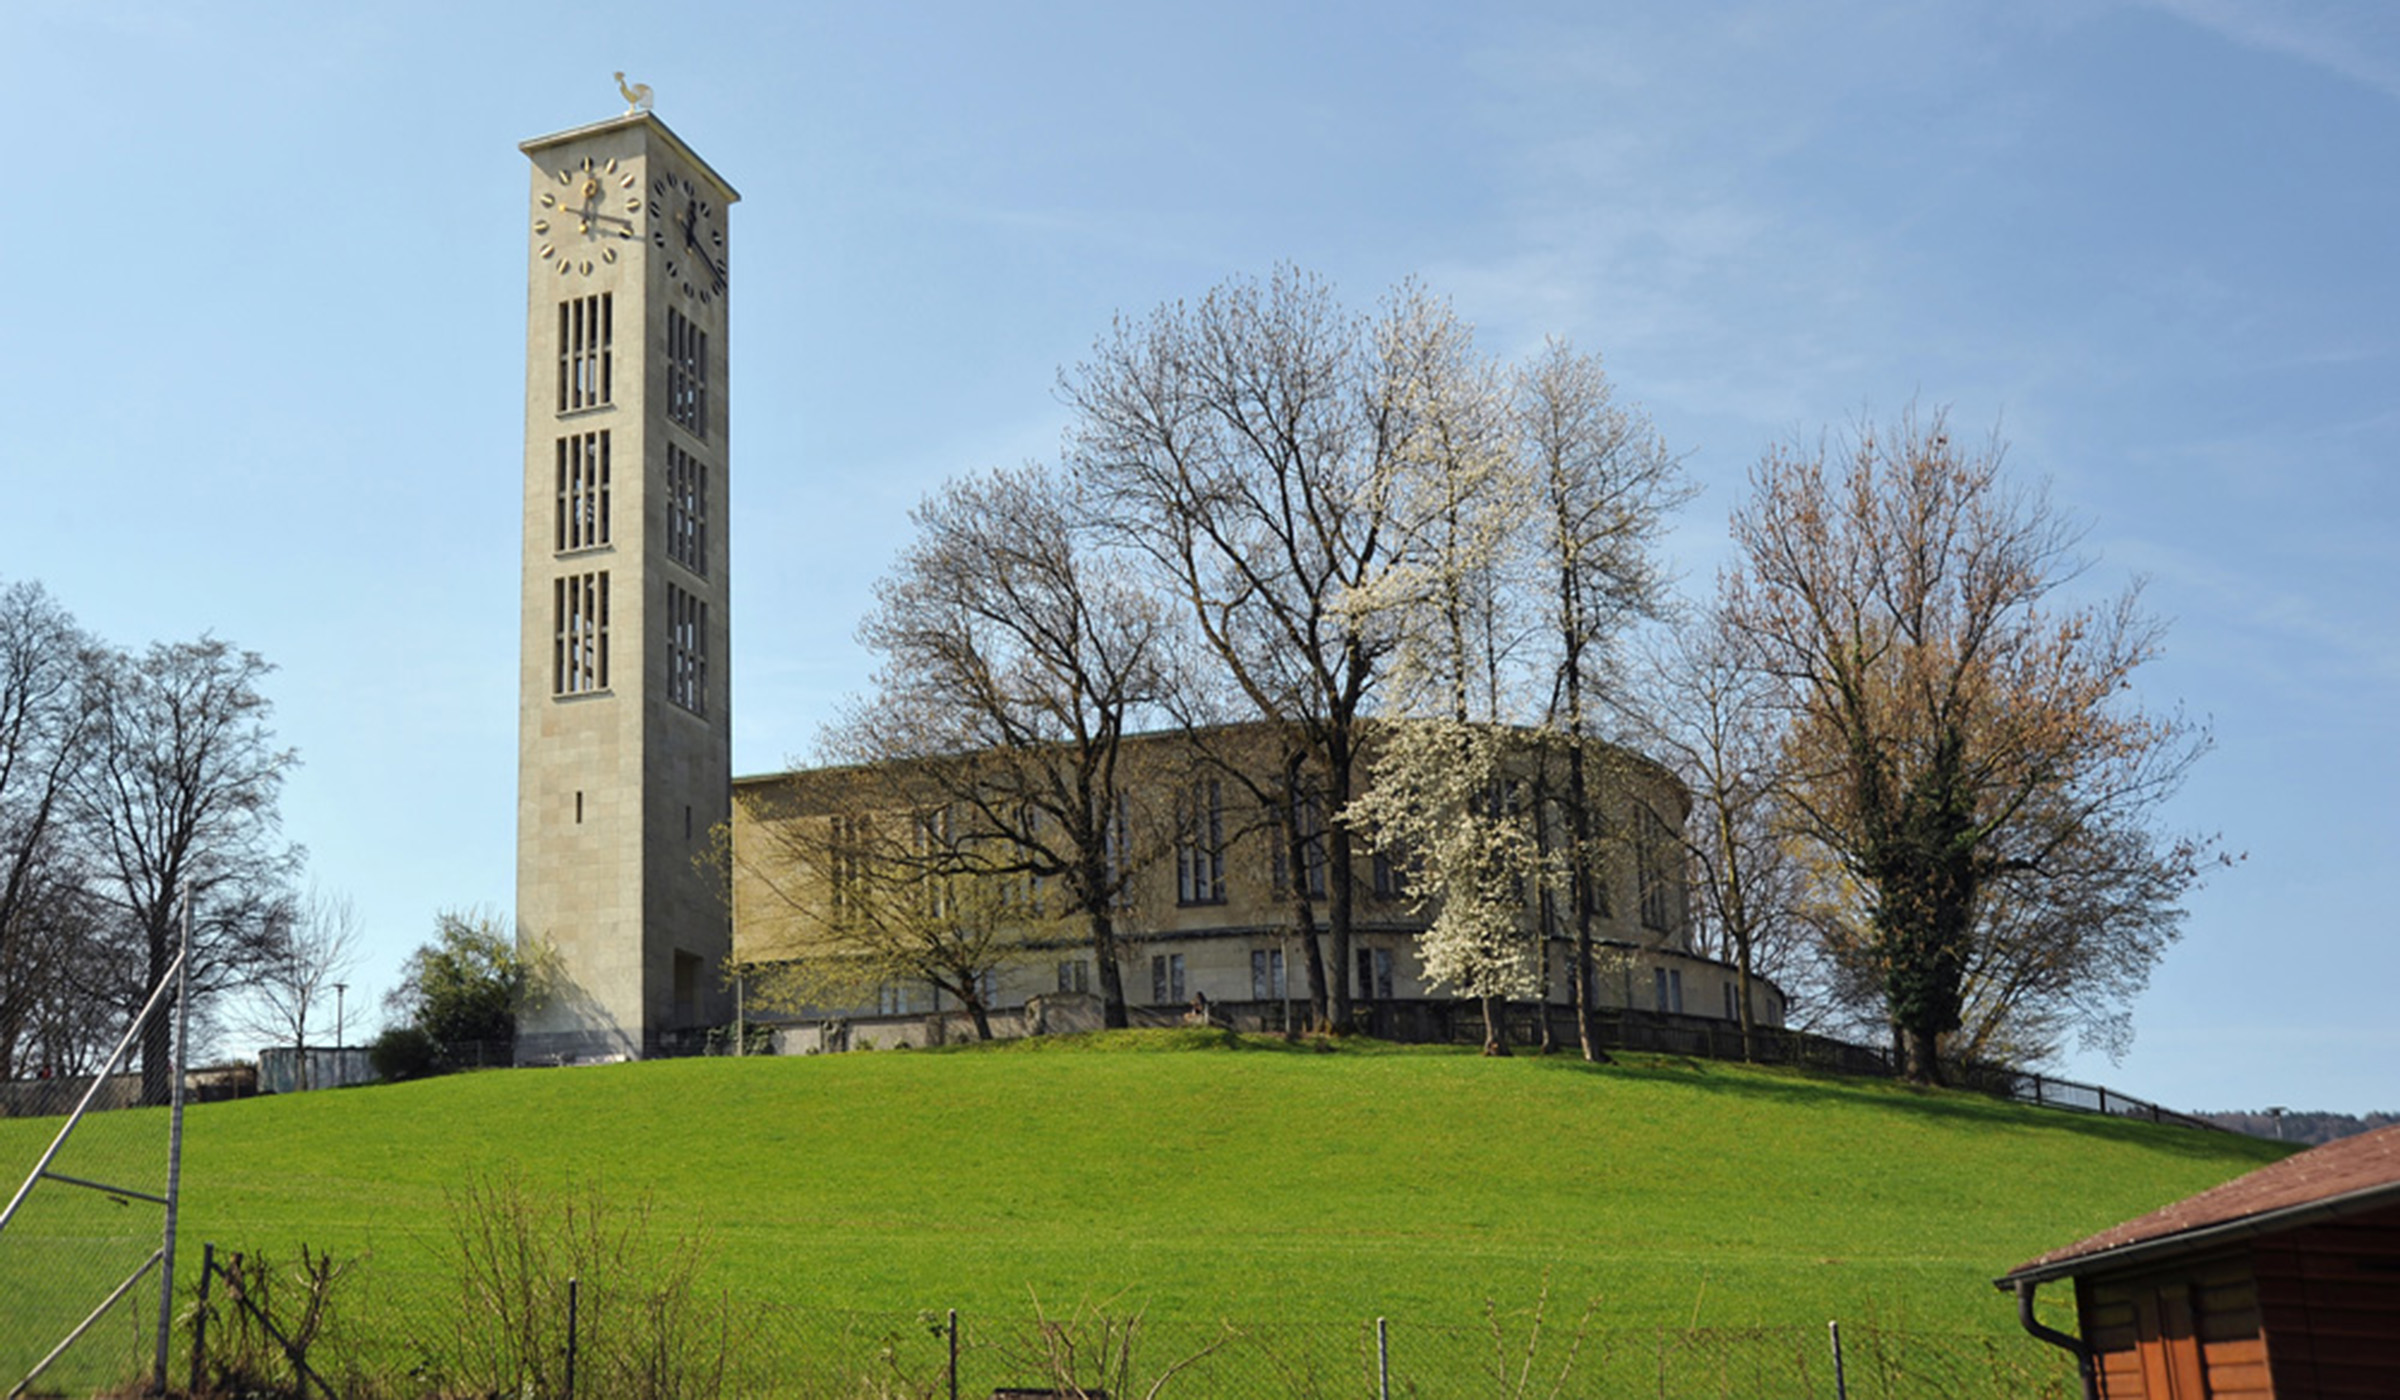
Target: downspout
x=2056, y=1338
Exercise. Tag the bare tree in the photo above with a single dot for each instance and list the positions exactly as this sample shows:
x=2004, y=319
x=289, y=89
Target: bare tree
x=1953, y=725
x=1604, y=482
x=45, y=741
x=179, y=801
x=1718, y=721
x=297, y=978
x=1240, y=445
x=1017, y=656
x=871, y=888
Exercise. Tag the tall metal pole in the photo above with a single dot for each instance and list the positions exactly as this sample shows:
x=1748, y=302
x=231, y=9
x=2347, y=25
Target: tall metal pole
x=183, y=1032
x=339, y=988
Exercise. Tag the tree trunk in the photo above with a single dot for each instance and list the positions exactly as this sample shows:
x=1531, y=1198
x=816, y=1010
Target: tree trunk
x=1923, y=1057
x=1742, y=997
x=158, y=1037
x=1340, y=889
x=1579, y=890
x=1304, y=912
x=1112, y=978
x=1495, y=1027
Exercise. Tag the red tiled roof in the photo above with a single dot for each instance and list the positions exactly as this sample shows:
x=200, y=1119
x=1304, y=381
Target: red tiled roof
x=2352, y=1171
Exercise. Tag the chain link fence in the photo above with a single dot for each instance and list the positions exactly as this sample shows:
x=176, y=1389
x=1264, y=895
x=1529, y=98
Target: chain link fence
x=553, y=1341
x=81, y=1233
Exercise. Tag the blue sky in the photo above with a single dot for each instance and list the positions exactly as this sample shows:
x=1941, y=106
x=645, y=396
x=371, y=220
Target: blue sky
x=262, y=272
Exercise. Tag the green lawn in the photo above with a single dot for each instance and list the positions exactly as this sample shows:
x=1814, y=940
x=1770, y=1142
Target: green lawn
x=1267, y=1183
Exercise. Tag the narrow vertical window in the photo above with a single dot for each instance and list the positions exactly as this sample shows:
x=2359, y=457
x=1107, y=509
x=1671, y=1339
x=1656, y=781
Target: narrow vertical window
x=687, y=650
x=1266, y=974
x=1166, y=979
x=1375, y=974
x=583, y=491
x=687, y=375
x=1200, y=847
x=586, y=355
x=687, y=510
x=1304, y=814
x=579, y=647
x=1658, y=872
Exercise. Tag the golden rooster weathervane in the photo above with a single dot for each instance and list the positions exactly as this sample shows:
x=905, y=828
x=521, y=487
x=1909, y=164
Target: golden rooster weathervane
x=637, y=97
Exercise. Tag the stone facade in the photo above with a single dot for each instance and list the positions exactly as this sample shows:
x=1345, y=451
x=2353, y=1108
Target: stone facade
x=1225, y=937
x=624, y=747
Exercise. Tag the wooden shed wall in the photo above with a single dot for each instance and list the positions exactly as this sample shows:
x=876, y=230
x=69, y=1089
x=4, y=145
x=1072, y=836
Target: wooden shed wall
x=2330, y=1296
x=2188, y=1331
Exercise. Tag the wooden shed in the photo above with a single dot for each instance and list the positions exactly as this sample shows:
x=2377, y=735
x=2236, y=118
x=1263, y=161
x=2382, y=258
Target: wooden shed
x=2283, y=1283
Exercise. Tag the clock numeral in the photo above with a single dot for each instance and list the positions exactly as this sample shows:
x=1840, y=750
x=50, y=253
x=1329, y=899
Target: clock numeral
x=564, y=267
x=633, y=206
x=608, y=255
x=611, y=166
x=541, y=226
x=549, y=250
x=549, y=201
x=587, y=267
x=628, y=180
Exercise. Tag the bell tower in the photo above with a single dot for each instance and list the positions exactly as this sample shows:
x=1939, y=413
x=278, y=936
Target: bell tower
x=624, y=741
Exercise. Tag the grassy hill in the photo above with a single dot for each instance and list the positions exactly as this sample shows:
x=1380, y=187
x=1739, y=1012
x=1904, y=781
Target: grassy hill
x=1199, y=1179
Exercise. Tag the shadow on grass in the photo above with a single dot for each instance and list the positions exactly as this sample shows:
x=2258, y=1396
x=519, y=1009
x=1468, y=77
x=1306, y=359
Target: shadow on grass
x=1779, y=1084
x=1786, y=1084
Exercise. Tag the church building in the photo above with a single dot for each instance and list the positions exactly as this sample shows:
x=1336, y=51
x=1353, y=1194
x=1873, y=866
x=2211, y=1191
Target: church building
x=635, y=919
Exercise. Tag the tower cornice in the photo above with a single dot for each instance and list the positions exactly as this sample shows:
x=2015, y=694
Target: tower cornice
x=629, y=120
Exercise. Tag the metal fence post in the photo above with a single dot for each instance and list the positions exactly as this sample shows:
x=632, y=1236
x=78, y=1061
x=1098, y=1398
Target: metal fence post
x=208, y=1266
x=177, y=1067
x=1383, y=1361
x=574, y=1308
x=954, y=1354
x=1841, y=1386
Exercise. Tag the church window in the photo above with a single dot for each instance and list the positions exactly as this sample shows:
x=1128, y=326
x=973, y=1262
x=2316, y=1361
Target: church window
x=846, y=865
x=1659, y=874
x=1375, y=974
x=1266, y=975
x=579, y=647
x=582, y=491
x=687, y=650
x=1200, y=847
x=687, y=374
x=586, y=357
x=1166, y=979
x=687, y=510
x=1306, y=814
x=1075, y=975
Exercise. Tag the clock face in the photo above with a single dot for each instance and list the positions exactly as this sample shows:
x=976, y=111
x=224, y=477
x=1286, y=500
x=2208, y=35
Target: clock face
x=687, y=228
x=581, y=221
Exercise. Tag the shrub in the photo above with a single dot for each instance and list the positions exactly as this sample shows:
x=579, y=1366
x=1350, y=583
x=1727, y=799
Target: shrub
x=405, y=1052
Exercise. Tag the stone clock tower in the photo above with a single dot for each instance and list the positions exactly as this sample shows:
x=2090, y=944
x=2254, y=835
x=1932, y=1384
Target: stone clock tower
x=624, y=750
